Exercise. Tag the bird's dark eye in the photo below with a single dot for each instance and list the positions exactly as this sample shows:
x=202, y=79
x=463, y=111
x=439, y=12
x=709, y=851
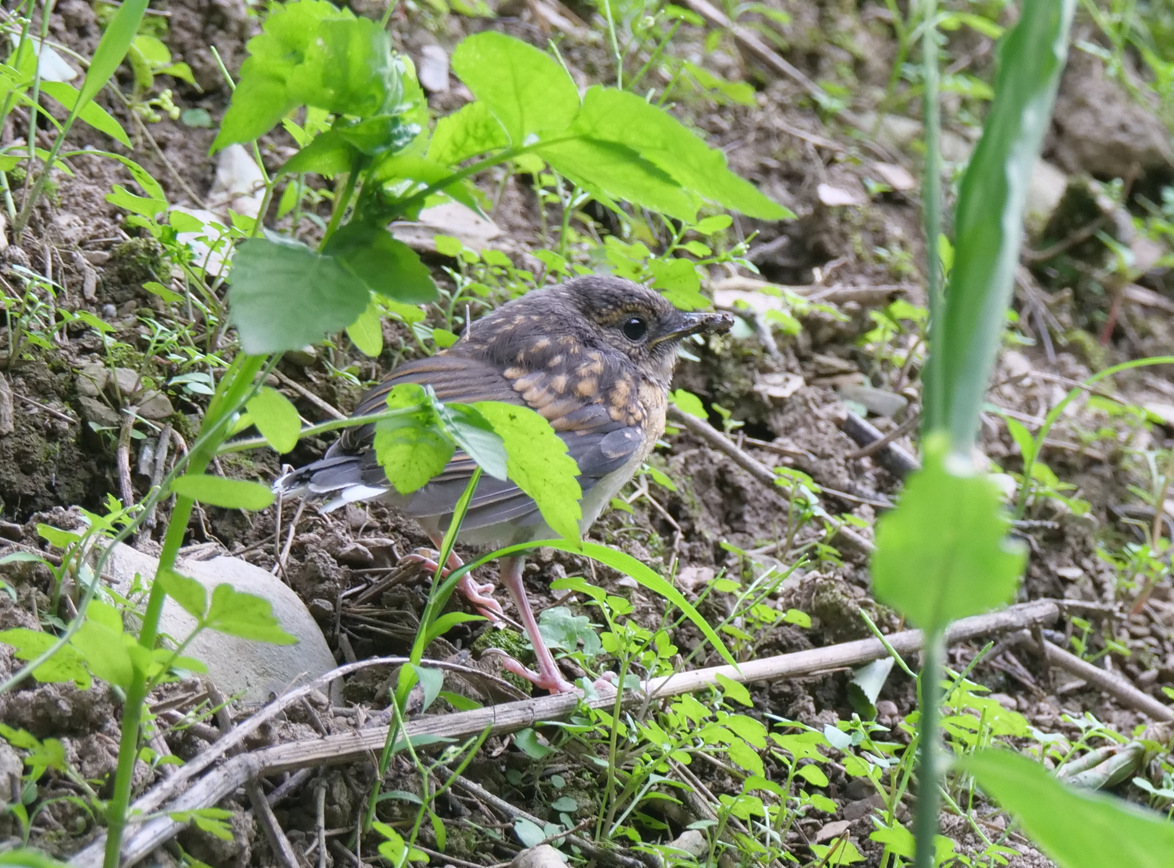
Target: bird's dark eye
x=635, y=328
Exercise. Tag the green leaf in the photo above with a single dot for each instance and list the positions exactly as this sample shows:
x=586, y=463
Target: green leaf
x=188, y=592
x=989, y=218
x=26, y=858
x=104, y=653
x=524, y=88
x=944, y=553
x=611, y=115
x=1077, y=829
x=678, y=279
x=611, y=170
x=366, y=333
x=473, y=433
x=689, y=403
x=65, y=665
x=537, y=461
x=411, y=449
x=734, y=690
x=112, y=48
x=311, y=53
x=276, y=418
x=227, y=493
x=246, y=616
x=381, y=262
x=431, y=681
x=285, y=295
x=329, y=154
x=465, y=133
x=92, y=113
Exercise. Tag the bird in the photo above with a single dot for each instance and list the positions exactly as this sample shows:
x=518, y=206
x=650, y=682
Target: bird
x=594, y=356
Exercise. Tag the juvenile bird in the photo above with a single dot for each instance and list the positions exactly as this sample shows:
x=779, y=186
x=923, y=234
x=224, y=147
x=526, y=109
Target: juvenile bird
x=594, y=356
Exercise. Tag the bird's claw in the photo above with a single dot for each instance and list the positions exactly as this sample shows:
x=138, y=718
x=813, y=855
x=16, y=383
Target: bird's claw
x=481, y=596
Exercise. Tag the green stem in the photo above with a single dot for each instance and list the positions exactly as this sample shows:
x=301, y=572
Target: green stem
x=340, y=204
x=320, y=428
x=234, y=389
x=925, y=818
x=652, y=58
x=935, y=417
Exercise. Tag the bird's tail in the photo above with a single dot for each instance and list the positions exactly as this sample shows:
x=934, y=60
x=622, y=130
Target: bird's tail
x=339, y=475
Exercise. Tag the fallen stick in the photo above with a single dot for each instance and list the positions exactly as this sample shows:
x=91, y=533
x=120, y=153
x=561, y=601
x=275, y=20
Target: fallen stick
x=1116, y=686
x=238, y=770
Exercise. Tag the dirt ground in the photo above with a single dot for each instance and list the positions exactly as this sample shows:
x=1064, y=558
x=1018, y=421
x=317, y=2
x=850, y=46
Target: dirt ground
x=854, y=248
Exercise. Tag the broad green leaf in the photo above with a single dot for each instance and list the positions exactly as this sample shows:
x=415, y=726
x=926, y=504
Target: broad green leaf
x=227, y=493
x=186, y=591
x=276, y=418
x=465, y=133
x=92, y=113
x=524, y=88
x=411, y=449
x=476, y=436
x=311, y=53
x=27, y=858
x=539, y=464
x=614, y=170
x=328, y=155
x=382, y=263
x=367, y=331
x=611, y=115
x=689, y=403
x=246, y=616
x=65, y=664
x=944, y=553
x=1078, y=829
x=285, y=295
x=104, y=653
x=989, y=218
x=678, y=280
x=112, y=47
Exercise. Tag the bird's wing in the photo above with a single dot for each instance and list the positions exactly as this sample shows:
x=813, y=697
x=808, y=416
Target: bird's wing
x=599, y=443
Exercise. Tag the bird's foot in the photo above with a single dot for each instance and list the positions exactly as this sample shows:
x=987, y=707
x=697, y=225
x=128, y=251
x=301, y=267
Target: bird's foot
x=480, y=596
x=550, y=679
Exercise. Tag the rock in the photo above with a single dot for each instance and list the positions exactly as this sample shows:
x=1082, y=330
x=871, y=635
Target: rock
x=853, y=811
x=91, y=380
x=832, y=830
x=451, y=218
x=256, y=670
x=1101, y=128
x=691, y=579
x=124, y=383
x=155, y=405
x=778, y=386
x=239, y=185
x=433, y=69
x=835, y=197
x=1048, y=183
x=355, y=555
x=897, y=177
x=11, y=770
x=877, y=401
x=692, y=842
x=99, y=412
x=542, y=856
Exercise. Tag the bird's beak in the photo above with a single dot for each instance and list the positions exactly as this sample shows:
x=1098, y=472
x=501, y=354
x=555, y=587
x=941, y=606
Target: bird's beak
x=697, y=323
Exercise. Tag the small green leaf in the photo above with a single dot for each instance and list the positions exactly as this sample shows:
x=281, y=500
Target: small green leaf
x=689, y=403
x=465, y=133
x=276, y=418
x=188, y=592
x=104, y=653
x=411, y=449
x=431, y=681
x=1078, y=829
x=735, y=690
x=530, y=834
x=65, y=665
x=944, y=553
x=383, y=264
x=227, y=493
x=366, y=333
x=539, y=464
x=285, y=295
x=246, y=616
x=112, y=47
x=92, y=113
x=524, y=88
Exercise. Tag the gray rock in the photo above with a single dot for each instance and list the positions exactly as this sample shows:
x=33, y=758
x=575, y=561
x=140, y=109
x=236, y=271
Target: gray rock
x=255, y=670
x=1048, y=184
x=91, y=380
x=129, y=383
x=155, y=405
x=99, y=412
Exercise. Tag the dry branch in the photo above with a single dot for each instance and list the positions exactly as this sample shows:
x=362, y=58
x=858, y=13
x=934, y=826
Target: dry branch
x=348, y=747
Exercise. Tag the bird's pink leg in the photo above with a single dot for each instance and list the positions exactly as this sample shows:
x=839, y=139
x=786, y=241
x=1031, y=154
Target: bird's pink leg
x=548, y=675
x=481, y=596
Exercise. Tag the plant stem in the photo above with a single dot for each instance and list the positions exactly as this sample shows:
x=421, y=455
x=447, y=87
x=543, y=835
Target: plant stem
x=935, y=417
x=234, y=390
x=925, y=818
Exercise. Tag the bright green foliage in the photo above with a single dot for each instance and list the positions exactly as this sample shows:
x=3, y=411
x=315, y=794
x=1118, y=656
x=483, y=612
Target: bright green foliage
x=412, y=448
x=470, y=130
x=276, y=418
x=227, y=493
x=989, y=218
x=311, y=53
x=385, y=265
x=285, y=295
x=539, y=464
x=944, y=553
x=246, y=616
x=65, y=665
x=525, y=89
x=1076, y=829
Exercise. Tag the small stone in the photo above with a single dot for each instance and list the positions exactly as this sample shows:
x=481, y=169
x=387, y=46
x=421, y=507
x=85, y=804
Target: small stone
x=854, y=811
x=692, y=842
x=356, y=555
x=99, y=413
x=91, y=380
x=433, y=69
x=11, y=531
x=877, y=401
x=778, y=386
x=832, y=830
x=155, y=406
x=542, y=856
x=887, y=709
x=897, y=177
x=835, y=197
x=304, y=358
x=128, y=383
x=693, y=579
